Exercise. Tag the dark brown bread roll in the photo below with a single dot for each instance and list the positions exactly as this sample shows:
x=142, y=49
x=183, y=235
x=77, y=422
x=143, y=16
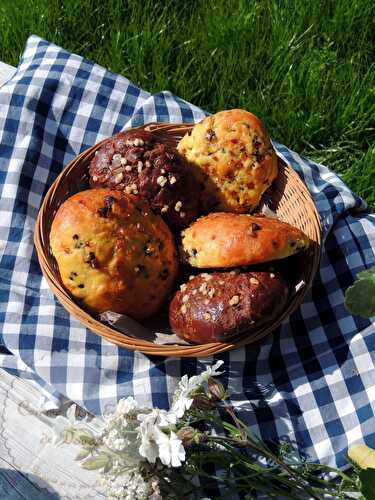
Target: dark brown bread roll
x=214, y=307
x=135, y=163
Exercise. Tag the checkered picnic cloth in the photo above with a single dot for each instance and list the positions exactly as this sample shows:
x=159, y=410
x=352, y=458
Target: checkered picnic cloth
x=312, y=382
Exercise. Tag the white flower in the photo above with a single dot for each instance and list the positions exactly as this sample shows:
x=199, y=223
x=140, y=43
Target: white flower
x=171, y=450
x=126, y=406
x=129, y=486
x=182, y=399
x=149, y=449
x=63, y=424
x=156, y=417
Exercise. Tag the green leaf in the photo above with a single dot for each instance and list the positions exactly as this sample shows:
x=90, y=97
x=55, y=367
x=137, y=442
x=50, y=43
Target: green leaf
x=360, y=297
x=96, y=463
x=82, y=454
x=367, y=273
x=367, y=477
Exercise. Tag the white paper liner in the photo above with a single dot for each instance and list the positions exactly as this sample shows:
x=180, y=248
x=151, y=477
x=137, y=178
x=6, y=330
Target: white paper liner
x=132, y=328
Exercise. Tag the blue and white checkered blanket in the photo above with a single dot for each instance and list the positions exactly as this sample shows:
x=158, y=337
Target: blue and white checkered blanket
x=312, y=382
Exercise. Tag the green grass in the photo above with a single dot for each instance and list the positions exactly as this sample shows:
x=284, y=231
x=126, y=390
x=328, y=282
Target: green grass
x=306, y=67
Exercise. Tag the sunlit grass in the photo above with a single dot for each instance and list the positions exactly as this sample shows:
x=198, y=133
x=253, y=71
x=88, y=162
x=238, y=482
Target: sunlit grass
x=305, y=66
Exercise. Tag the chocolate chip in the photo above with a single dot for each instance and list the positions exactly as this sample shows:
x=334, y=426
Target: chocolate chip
x=109, y=201
x=75, y=237
x=163, y=275
x=103, y=212
x=92, y=260
x=210, y=134
x=81, y=286
x=72, y=275
x=253, y=229
x=107, y=209
x=292, y=244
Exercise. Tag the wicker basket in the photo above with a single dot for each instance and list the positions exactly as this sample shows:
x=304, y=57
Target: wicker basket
x=289, y=199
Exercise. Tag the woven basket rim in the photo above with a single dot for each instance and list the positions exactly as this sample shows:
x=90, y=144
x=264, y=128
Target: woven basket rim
x=111, y=334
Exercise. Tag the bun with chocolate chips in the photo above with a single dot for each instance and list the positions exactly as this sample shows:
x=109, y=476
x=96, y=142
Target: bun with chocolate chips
x=231, y=154
x=215, y=307
x=113, y=252
x=230, y=240
x=136, y=163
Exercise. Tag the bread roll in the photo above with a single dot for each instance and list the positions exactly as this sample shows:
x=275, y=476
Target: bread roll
x=231, y=240
x=136, y=163
x=113, y=253
x=214, y=307
x=232, y=156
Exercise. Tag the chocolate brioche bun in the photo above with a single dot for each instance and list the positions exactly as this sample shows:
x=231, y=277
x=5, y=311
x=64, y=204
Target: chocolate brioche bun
x=215, y=307
x=136, y=163
x=231, y=154
x=229, y=240
x=113, y=252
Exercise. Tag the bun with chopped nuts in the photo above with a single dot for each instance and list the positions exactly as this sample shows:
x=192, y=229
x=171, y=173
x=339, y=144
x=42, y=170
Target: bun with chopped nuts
x=215, y=307
x=233, y=158
x=230, y=240
x=113, y=252
x=135, y=163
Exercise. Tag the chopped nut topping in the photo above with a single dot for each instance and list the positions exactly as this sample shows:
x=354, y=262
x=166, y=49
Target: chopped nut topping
x=129, y=143
x=137, y=269
x=254, y=281
x=134, y=188
x=116, y=157
x=203, y=288
x=178, y=206
x=272, y=275
x=172, y=180
x=128, y=168
x=140, y=164
x=164, y=209
x=221, y=282
x=185, y=298
x=183, y=309
x=183, y=287
x=119, y=177
x=182, y=214
x=136, y=142
x=138, y=225
x=234, y=301
x=191, y=277
x=123, y=161
x=194, y=292
x=207, y=316
x=206, y=302
x=161, y=180
x=206, y=276
x=128, y=189
x=94, y=178
x=211, y=292
x=147, y=164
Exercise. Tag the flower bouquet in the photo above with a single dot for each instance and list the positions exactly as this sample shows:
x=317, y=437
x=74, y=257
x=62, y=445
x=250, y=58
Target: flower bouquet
x=198, y=448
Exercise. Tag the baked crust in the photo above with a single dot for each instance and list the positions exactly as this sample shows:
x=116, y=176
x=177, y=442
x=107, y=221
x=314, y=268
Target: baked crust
x=231, y=154
x=214, y=307
x=135, y=163
x=229, y=240
x=113, y=253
